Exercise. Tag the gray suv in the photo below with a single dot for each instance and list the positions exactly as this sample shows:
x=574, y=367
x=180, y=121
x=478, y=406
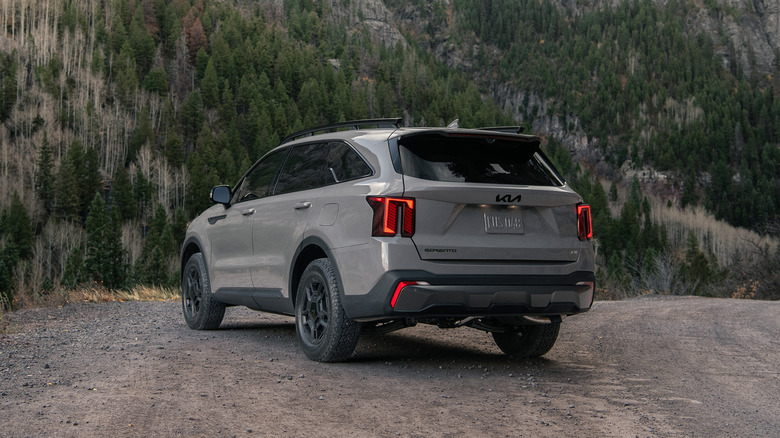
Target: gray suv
x=368, y=227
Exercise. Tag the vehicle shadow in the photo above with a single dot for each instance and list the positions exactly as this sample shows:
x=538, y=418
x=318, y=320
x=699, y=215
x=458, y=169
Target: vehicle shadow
x=409, y=346
x=421, y=345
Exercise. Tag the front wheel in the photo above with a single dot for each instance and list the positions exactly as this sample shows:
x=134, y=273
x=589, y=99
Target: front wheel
x=201, y=312
x=325, y=332
x=530, y=341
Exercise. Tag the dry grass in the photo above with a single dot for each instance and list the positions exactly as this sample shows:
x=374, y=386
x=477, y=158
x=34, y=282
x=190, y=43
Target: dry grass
x=99, y=294
x=6, y=326
x=94, y=293
x=90, y=293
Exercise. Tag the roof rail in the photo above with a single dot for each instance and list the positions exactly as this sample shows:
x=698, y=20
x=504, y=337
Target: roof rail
x=507, y=129
x=390, y=123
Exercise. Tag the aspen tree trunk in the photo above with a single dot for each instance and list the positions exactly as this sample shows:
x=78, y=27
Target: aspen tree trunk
x=22, y=8
x=13, y=19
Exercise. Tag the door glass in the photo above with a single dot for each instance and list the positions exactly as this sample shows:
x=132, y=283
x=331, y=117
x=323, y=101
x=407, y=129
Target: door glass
x=305, y=169
x=259, y=182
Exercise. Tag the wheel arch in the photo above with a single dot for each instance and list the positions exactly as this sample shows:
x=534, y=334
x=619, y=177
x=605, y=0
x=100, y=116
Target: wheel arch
x=310, y=249
x=191, y=246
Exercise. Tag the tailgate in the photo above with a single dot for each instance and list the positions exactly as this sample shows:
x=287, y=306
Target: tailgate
x=487, y=196
x=475, y=223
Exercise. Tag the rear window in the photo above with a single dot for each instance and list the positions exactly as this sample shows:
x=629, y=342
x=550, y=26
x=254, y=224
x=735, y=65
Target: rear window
x=438, y=157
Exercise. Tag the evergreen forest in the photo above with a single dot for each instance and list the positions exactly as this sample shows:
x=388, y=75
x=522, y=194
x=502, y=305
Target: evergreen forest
x=118, y=116
x=651, y=92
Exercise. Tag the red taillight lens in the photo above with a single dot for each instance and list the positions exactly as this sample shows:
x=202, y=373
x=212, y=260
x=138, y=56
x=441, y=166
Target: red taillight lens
x=386, y=213
x=584, y=225
x=398, y=290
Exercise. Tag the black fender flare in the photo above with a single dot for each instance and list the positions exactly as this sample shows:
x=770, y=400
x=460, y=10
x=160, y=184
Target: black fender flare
x=309, y=249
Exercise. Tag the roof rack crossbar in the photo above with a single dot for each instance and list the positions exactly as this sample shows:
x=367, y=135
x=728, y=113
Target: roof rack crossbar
x=389, y=123
x=507, y=129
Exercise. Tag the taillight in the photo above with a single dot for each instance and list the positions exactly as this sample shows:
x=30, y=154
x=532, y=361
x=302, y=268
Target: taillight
x=584, y=224
x=398, y=290
x=388, y=212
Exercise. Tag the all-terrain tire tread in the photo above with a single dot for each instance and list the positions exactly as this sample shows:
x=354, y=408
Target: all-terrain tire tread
x=340, y=344
x=212, y=311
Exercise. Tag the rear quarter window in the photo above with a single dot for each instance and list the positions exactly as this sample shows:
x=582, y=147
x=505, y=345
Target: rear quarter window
x=476, y=159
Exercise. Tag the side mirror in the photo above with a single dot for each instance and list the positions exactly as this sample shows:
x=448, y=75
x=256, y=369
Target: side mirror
x=221, y=195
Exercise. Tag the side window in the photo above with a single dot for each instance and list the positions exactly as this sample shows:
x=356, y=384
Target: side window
x=344, y=163
x=305, y=169
x=259, y=182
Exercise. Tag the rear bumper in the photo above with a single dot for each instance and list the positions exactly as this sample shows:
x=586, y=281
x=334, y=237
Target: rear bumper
x=472, y=295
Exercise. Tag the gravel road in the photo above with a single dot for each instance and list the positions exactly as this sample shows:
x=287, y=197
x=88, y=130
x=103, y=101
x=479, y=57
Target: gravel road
x=652, y=366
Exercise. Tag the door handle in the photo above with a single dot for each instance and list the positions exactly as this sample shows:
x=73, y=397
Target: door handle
x=248, y=212
x=302, y=205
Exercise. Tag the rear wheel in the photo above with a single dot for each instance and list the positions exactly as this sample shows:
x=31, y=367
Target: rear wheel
x=530, y=341
x=325, y=332
x=201, y=312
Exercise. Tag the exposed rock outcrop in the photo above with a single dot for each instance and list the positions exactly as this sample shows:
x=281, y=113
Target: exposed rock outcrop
x=356, y=14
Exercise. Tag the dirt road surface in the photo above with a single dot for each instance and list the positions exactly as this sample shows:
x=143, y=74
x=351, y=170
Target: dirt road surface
x=652, y=366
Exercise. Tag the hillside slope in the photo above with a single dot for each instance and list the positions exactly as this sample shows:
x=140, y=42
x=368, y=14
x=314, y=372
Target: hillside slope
x=684, y=88
x=118, y=116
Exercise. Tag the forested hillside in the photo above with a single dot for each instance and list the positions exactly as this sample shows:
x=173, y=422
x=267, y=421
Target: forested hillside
x=662, y=106
x=646, y=85
x=118, y=116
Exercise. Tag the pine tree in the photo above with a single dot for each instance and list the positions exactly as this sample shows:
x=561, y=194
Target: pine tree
x=74, y=272
x=44, y=177
x=174, y=150
x=152, y=266
x=142, y=134
x=66, y=189
x=143, y=189
x=115, y=273
x=696, y=268
x=126, y=75
x=122, y=196
x=8, y=93
x=209, y=86
x=192, y=116
x=17, y=233
x=613, y=193
x=88, y=178
x=97, y=223
x=179, y=227
x=17, y=230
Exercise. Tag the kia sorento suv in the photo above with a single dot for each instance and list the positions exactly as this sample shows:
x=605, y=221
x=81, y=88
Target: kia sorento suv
x=369, y=227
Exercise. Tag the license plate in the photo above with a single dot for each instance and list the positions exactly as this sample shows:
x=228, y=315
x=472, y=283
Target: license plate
x=504, y=223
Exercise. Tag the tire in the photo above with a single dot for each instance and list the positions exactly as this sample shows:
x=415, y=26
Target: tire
x=325, y=332
x=531, y=341
x=201, y=311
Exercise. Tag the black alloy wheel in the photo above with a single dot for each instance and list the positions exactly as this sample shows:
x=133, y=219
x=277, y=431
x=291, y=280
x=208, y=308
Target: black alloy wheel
x=325, y=332
x=201, y=311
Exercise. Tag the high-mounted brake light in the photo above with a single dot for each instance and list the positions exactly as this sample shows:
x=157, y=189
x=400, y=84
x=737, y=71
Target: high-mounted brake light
x=584, y=224
x=387, y=212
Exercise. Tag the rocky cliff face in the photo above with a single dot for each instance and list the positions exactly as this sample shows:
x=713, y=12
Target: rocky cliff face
x=745, y=25
x=749, y=26
x=356, y=14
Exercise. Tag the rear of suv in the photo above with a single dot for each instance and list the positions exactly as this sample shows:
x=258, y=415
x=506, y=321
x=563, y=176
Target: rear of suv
x=368, y=227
